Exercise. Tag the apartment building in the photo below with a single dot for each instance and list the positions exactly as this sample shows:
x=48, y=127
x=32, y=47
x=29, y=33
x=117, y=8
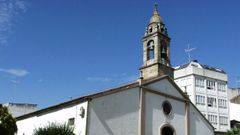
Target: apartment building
x=207, y=89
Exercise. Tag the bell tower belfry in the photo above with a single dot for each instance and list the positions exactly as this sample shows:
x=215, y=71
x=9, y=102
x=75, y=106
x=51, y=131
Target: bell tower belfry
x=156, y=49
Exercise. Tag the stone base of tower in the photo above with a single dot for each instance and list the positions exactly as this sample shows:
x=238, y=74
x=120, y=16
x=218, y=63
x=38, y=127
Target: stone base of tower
x=155, y=70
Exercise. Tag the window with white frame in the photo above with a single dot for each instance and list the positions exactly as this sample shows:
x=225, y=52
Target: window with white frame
x=221, y=86
x=211, y=102
x=200, y=100
x=212, y=119
x=222, y=103
x=223, y=120
x=210, y=85
x=199, y=82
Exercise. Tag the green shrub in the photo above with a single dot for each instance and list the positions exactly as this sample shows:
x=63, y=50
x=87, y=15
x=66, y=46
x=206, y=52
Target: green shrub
x=7, y=122
x=234, y=131
x=54, y=129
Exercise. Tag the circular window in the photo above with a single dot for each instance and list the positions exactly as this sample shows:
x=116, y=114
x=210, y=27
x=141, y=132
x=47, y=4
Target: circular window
x=167, y=107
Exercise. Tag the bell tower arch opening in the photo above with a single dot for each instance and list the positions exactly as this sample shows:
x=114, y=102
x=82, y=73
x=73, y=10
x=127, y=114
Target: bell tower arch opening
x=150, y=50
x=164, y=53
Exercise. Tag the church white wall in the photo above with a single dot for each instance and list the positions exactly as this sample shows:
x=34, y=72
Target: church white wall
x=114, y=114
x=155, y=118
x=198, y=125
x=27, y=126
x=165, y=86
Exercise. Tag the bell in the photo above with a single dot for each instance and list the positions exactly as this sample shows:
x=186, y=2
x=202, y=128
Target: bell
x=163, y=50
x=151, y=47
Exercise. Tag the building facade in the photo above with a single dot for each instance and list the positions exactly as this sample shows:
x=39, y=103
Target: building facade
x=233, y=92
x=234, y=106
x=18, y=109
x=207, y=89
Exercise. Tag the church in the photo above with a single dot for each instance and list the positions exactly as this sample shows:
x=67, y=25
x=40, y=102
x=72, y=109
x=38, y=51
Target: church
x=153, y=105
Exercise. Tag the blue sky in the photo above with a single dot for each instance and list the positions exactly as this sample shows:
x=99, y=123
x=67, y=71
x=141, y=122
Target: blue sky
x=52, y=51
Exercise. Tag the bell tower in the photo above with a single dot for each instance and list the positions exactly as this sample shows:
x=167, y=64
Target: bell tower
x=156, y=49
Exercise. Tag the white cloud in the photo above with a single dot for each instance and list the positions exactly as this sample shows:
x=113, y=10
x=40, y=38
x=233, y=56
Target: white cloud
x=98, y=79
x=15, y=82
x=9, y=9
x=15, y=72
x=40, y=80
x=130, y=78
x=120, y=78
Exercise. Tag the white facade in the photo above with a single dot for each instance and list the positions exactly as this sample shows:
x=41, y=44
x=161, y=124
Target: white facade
x=234, y=106
x=27, y=125
x=233, y=92
x=132, y=110
x=234, y=111
x=207, y=89
x=114, y=114
x=185, y=118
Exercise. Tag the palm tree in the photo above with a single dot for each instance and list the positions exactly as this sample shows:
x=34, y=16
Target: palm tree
x=54, y=129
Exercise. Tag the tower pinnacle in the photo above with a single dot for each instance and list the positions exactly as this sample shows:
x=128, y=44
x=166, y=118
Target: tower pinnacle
x=155, y=9
x=156, y=17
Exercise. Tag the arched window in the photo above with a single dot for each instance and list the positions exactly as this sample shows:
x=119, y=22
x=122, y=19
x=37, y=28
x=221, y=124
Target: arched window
x=167, y=130
x=150, y=30
x=163, y=50
x=150, y=50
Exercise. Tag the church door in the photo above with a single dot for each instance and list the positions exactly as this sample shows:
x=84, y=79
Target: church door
x=167, y=131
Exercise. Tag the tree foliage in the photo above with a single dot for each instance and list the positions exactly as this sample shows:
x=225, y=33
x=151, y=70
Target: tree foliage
x=234, y=131
x=7, y=122
x=54, y=129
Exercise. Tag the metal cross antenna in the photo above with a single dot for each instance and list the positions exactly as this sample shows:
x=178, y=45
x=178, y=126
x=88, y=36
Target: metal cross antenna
x=189, y=50
x=156, y=5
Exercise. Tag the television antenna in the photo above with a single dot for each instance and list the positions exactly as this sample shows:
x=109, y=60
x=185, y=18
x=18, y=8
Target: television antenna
x=237, y=82
x=188, y=51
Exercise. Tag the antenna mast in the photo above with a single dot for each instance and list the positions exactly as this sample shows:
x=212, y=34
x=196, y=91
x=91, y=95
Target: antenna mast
x=188, y=51
x=237, y=82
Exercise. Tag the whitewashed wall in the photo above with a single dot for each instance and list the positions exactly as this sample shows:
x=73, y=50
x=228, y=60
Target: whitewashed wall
x=165, y=86
x=155, y=118
x=198, y=125
x=27, y=126
x=115, y=114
